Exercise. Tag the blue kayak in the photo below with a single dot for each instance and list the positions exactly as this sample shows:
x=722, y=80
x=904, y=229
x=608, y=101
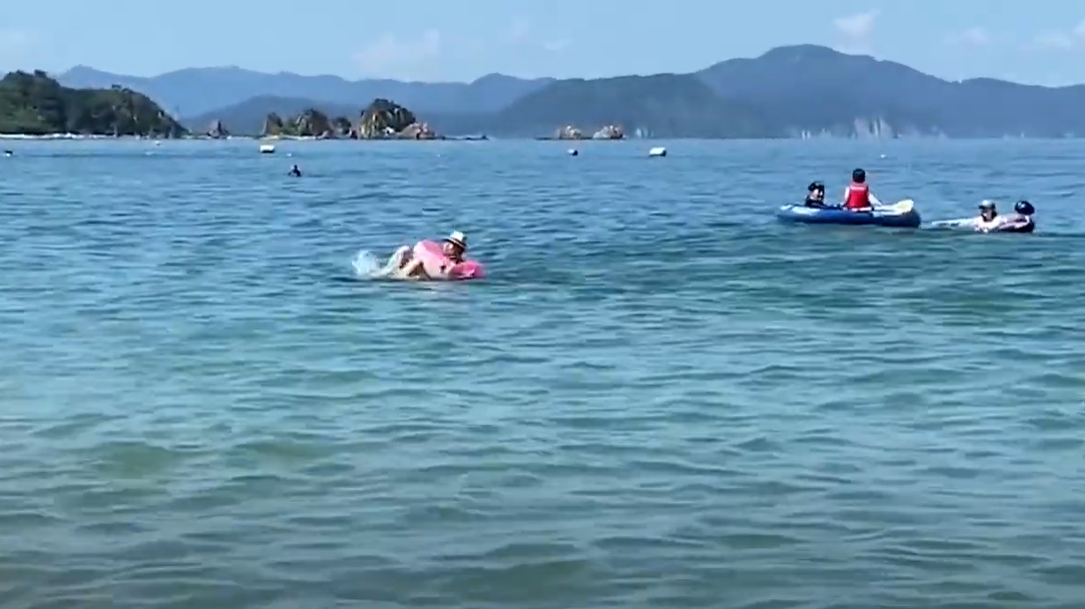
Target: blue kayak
x=900, y=215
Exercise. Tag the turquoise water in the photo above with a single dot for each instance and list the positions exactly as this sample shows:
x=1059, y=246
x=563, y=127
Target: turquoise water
x=661, y=398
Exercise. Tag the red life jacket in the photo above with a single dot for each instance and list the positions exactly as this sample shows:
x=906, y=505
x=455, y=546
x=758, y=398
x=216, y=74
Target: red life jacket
x=858, y=196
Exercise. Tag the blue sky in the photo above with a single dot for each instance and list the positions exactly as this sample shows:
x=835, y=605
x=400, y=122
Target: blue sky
x=1040, y=42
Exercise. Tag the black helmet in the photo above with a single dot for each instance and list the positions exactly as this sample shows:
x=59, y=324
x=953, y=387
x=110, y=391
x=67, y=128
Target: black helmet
x=815, y=186
x=858, y=176
x=1024, y=208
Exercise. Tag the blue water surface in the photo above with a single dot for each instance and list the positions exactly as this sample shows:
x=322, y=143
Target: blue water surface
x=661, y=397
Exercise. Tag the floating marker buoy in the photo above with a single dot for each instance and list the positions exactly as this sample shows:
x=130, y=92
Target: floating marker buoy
x=267, y=149
x=660, y=151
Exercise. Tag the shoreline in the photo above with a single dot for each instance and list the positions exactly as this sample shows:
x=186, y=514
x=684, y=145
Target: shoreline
x=255, y=138
x=14, y=137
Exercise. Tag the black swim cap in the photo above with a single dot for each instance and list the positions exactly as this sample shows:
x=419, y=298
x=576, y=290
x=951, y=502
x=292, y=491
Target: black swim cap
x=815, y=186
x=858, y=176
x=1024, y=208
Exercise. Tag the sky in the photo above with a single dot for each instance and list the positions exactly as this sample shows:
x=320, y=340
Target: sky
x=1039, y=42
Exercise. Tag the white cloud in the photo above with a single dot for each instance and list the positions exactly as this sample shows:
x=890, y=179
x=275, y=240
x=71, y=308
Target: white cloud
x=17, y=49
x=858, y=26
x=1062, y=40
x=16, y=40
x=973, y=36
x=390, y=56
x=856, y=31
x=1054, y=40
x=520, y=31
x=556, y=46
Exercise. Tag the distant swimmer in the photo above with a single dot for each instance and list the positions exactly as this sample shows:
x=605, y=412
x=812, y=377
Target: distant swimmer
x=9, y=153
x=295, y=172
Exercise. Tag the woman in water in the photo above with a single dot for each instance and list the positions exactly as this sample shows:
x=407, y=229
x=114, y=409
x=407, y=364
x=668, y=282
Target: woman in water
x=406, y=266
x=989, y=220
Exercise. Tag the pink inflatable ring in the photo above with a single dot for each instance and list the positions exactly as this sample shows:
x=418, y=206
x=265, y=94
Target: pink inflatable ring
x=438, y=265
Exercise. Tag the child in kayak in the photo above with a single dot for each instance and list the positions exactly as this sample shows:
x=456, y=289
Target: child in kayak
x=815, y=195
x=857, y=195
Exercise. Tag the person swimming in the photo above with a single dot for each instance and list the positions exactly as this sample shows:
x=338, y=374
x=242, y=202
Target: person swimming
x=404, y=265
x=989, y=220
x=295, y=172
x=1022, y=211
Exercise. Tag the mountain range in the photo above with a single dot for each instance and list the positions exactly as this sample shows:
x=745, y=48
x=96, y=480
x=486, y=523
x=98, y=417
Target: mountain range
x=793, y=91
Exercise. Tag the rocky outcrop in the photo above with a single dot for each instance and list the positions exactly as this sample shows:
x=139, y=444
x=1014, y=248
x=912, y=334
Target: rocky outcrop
x=382, y=119
x=385, y=119
x=310, y=123
x=610, y=132
x=341, y=128
x=569, y=132
x=273, y=126
x=217, y=131
x=418, y=131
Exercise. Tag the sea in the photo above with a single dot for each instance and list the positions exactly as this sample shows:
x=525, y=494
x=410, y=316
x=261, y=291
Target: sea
x=660, y=397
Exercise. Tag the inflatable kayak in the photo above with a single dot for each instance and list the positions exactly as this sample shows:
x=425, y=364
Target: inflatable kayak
x=899, y=215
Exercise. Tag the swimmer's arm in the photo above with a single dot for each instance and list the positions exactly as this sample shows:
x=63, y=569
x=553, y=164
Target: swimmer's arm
x=414, y=269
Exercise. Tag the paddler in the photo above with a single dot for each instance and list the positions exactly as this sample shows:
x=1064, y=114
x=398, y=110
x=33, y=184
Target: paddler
x=815, y=195
x=857, y=195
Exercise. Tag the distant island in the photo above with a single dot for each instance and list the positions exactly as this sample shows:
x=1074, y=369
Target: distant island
x=380, y=120
x=803, y=91
x=35, y=104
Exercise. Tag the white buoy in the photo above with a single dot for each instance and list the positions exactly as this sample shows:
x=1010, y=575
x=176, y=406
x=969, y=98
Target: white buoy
x=658, y=151
x=573, y=152
x=267, y=149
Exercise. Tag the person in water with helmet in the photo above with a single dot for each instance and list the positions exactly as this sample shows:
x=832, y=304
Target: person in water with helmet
x=989, y=220
x=1023, y=211
x=857, y=195
x=454, y=248
x=815, y=195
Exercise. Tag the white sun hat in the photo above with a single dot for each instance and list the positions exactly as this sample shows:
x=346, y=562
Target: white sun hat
x=457, y=238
